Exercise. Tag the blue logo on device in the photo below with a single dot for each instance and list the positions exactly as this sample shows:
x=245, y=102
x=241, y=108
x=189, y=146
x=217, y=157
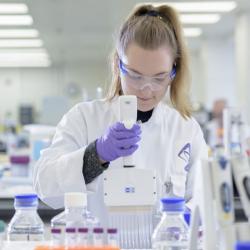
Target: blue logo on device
x=129, y=189
x=184, y=154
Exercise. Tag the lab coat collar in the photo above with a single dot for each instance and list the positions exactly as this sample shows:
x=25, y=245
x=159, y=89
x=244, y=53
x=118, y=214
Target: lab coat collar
x=157, y=116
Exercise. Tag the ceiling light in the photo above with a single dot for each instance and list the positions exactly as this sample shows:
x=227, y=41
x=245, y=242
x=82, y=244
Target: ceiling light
x=22, y=56
x=14, y=33
x=200, y=18
x=15, y=43
x=15, y=20
x=219, y=6
x=24, y=50
x=192, y=32
x=13, y=8
x=22, y=63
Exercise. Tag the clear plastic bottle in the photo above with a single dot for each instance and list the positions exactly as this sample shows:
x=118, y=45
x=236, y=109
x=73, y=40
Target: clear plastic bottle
x=172, y=231
x=75, y=210
x=112, y=237
x=56, y=238
x=83, y=237
x=70, y=238
x=26, y=225
x=98, y=237
x=59, y=221
x=76, y=205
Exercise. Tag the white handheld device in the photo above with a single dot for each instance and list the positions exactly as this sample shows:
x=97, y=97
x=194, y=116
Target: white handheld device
x=128, y=115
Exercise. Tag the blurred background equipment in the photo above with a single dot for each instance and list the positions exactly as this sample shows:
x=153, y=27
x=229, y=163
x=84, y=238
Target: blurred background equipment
x=53, y=108
x=214, y=128
x=215, y=203
x=26, y=114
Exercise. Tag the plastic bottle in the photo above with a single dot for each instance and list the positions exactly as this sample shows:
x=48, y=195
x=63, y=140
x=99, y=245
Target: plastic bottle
x=20, y=165
x=75, y=203
x=56, y=238
x=83, y=237
x=98, y=237
x=2, y=233
x=244, y=245
x=26, y=225
x=112, y=237
x=59, y=222
x=70, y=238
x=172, y=231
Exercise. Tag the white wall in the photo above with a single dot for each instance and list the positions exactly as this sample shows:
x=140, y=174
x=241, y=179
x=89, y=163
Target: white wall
x=30, y=86
x=197, y=76
x=242, y=42
x=214, y=71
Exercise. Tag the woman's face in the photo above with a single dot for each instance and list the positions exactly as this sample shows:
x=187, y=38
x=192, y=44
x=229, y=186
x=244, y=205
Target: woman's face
x=145, y=73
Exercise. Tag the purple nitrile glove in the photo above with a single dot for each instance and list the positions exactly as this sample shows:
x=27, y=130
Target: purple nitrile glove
x=118, y=141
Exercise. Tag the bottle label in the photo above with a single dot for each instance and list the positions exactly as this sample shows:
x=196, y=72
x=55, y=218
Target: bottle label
x=25, y=237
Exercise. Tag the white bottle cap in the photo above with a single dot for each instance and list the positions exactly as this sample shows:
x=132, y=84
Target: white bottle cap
x=75, y=199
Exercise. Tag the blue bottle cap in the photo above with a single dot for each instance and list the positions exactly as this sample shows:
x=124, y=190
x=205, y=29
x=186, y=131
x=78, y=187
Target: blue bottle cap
x=244, y=245
x=26, y=200
x=173, y=204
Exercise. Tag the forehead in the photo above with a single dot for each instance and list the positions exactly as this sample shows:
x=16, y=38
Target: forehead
x=148, y=61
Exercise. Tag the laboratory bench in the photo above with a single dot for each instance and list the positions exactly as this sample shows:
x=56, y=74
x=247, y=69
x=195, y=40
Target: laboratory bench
x=7, y=210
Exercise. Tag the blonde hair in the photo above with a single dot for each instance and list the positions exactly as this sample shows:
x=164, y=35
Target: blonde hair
x=151, y=27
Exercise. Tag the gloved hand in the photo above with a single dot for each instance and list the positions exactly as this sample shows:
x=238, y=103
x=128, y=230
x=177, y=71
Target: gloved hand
x=118, y=141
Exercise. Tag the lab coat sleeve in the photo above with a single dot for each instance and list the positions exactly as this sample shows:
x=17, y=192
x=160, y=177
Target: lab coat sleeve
x=59, y=168
x=199, y=151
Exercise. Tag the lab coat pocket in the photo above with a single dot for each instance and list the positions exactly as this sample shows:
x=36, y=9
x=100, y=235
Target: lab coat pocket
x=179, y=184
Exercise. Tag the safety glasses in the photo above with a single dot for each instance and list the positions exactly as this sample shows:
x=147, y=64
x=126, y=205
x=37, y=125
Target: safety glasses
x=139, y=81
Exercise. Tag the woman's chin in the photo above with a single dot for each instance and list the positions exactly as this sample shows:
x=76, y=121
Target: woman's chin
x=145, y=108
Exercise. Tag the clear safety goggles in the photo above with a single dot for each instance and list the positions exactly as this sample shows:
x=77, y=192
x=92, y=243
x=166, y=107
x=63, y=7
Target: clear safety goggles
x=139, y=81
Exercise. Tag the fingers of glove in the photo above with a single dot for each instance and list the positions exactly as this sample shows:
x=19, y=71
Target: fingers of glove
x=128, y=151
x=119, y=126
x=136, y=127
x=126, y=143
x=126, y=133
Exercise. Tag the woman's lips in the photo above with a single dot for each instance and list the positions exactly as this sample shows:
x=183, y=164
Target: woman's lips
x=144, y=99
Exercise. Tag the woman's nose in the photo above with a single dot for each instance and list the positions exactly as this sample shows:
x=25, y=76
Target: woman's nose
x=147, y=89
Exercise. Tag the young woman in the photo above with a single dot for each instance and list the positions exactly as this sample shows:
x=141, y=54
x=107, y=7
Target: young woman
x=150, y=60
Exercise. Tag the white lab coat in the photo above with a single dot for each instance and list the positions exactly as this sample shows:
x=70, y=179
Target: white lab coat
x=164, y=136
